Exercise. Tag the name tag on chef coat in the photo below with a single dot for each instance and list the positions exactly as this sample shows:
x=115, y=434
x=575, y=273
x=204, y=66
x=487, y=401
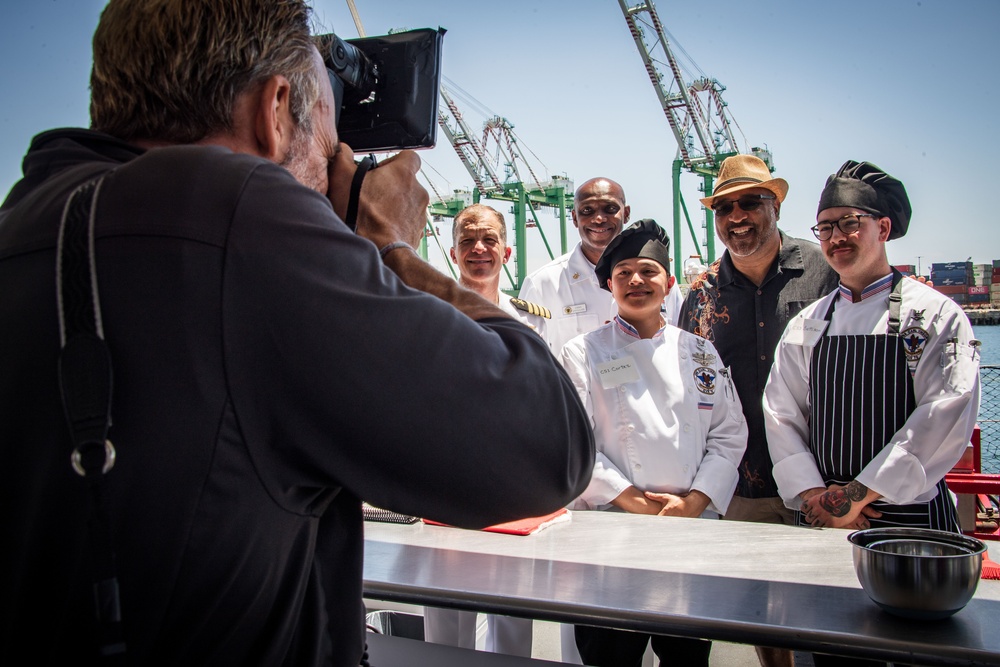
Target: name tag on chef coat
x=575, y=309
x=805, y=332
x=617, y=372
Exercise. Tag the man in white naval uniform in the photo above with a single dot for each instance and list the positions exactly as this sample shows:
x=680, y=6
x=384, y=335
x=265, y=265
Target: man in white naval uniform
x=479, y=249
x=667, y=420
x=874, y=391
x=567, y=285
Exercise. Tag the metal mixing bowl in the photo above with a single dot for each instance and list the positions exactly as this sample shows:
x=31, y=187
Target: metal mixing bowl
x=917, y=572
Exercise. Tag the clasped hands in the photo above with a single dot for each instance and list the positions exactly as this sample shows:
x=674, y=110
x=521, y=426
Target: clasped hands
x=839, y=506
x=634, y=501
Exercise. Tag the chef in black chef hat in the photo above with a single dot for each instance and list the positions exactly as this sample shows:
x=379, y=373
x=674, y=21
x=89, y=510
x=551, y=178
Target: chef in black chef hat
x=860, y=209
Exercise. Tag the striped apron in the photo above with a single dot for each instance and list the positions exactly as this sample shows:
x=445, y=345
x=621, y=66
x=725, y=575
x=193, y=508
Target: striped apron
x=862, y=394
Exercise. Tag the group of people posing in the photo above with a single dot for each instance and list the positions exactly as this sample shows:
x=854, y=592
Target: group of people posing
x=796, y=383
x=205, y=370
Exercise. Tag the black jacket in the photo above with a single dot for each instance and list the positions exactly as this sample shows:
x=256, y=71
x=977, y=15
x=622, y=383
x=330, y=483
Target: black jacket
x=269, y=371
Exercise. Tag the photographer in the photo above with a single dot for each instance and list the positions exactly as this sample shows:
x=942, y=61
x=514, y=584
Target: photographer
x=269, y=368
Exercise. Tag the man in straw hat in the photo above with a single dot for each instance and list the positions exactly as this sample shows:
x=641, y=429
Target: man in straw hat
x=875, y=388
x=640, y=377
x=742, y=304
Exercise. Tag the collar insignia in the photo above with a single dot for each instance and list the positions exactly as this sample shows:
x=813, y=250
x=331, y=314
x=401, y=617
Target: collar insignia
x=703, y=358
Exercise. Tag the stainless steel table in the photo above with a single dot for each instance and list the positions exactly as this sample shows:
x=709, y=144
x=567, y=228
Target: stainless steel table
x=738, y=582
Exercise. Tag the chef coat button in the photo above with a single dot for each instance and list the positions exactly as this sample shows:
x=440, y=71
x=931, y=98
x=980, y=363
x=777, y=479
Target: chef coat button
x=760, y=324
x=687, y=427
x=621, y=389
x=630, y=428
x=684, y=355
x=686, y=468
x=638, y=466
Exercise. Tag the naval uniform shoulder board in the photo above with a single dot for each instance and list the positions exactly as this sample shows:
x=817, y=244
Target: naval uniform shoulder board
x=531, y=308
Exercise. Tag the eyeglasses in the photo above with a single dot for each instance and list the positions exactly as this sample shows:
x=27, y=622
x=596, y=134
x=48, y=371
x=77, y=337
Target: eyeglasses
x=747, y=203
x=847, y=225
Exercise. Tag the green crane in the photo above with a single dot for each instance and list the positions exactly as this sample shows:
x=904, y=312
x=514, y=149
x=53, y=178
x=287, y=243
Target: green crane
x=698, y=117
x=481, y=158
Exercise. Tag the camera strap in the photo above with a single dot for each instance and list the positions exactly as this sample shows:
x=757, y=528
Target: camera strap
x=85, y=382
x=352, y=201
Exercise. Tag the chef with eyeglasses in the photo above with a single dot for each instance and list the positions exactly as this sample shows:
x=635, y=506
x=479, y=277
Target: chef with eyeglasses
x=874, y=391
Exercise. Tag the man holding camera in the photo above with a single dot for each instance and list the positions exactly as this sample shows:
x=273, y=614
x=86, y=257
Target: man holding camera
x=269, y=367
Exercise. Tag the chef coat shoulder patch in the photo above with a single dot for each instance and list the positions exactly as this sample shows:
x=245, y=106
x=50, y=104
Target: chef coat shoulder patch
x=914, y=340
x=531, y=308
x=704, y=377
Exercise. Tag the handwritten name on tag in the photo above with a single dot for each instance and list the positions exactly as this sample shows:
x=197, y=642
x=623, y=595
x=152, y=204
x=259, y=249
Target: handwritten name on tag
x=805, y=332
x=617, y=372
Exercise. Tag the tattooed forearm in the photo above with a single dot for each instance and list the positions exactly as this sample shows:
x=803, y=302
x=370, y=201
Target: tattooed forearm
x=856, y=491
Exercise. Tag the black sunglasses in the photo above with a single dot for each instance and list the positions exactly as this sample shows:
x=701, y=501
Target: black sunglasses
x=747, y=203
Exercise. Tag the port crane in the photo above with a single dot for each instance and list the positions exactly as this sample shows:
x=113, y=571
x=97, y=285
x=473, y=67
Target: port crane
x=483, y=157
x=698, y=116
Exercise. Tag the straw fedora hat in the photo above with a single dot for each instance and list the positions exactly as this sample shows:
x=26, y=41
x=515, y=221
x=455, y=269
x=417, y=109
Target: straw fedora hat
x=742, y=172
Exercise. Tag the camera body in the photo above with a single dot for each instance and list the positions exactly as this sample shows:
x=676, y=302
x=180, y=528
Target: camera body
x=386, y=88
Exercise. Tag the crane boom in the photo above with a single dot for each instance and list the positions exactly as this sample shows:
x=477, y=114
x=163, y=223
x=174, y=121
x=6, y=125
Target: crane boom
x=701, y=128
x=469, y=150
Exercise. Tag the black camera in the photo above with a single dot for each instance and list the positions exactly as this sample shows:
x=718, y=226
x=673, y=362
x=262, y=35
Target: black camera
x=386, y=88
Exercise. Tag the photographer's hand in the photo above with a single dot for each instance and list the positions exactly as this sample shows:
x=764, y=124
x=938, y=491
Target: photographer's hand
x=393, y=207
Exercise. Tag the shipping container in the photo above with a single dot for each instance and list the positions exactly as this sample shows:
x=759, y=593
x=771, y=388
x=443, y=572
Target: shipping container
x=911, y=269
x=976, y=289
x=952, y=273
x=951, y=289
x=996, y=263
x=951, y=266
x=959, y=298
x=960, y=282
x=995, y=288
x=978, y=298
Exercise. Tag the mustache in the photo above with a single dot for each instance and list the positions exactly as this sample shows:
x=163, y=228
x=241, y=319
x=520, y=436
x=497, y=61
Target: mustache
x=840, y=246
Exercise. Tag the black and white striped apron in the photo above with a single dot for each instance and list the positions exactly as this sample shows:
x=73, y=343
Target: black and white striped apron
x=862, y=394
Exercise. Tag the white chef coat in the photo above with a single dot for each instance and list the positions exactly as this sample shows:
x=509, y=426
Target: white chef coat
x=666, y=415
x=945, y=385
x=568, y=287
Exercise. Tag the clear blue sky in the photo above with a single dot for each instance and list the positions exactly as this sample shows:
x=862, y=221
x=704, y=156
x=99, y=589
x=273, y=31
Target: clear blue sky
x=909, y=85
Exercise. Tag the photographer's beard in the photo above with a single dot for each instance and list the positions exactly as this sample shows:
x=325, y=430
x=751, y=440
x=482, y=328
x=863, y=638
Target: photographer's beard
x=298, y=163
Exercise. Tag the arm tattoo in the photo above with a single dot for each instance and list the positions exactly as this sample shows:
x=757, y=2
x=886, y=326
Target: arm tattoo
x=856, y=491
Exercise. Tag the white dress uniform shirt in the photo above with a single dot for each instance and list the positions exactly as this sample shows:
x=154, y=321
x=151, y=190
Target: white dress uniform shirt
x=568, y=287
x=946, y=388
x=672, y=305
x=666, y=415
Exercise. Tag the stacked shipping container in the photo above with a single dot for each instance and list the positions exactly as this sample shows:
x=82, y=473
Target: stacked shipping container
x=995, y=285
x=967, y=283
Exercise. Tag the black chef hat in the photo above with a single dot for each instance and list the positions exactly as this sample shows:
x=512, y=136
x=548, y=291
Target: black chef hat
x=863, y=185
x=644, y=239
